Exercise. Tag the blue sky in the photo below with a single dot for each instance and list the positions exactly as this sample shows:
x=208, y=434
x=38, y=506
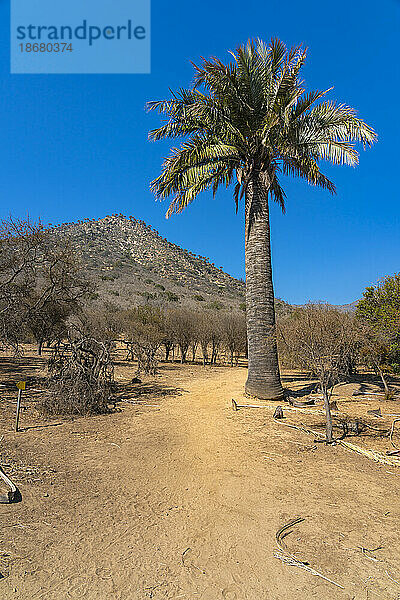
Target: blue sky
x=75, y=146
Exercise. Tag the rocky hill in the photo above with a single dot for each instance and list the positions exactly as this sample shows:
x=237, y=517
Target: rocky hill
x=350, y=308
x=132, y=264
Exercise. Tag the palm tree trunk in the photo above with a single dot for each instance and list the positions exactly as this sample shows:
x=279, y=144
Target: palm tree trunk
x=263, y=379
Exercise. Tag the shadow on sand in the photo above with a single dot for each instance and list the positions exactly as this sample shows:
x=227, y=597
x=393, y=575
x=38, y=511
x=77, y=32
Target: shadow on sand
x=144, y=391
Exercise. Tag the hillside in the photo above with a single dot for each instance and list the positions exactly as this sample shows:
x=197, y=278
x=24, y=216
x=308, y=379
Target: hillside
x=350, y=308
x=132, y=264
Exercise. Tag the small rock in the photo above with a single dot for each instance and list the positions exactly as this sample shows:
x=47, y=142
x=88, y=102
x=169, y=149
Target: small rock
x=46, y=495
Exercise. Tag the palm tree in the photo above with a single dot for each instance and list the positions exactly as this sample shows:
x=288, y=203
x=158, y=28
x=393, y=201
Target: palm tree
x=245, y=123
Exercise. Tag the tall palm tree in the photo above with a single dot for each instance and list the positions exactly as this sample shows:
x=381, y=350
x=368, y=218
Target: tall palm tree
x=246, y=123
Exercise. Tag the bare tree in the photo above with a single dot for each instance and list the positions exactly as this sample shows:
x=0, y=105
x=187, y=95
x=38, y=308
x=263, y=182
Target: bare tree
x=41, y=282
x=320, y=339
x=216, y=337
x=48, y=323
x=181, y=324
x=204, y=325
x=20, y=243
x=168, y=337
x=143, y=334
x=233, y=327
x=194, y=344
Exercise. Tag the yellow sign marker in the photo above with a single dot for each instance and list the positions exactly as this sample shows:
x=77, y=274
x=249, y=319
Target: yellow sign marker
x=21, y=385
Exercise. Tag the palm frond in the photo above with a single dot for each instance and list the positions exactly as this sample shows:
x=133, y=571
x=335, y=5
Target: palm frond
x=278, y=194
x=308, y=170
x=252, y=117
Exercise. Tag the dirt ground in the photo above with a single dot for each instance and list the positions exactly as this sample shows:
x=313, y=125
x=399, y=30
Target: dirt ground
x=180, y=497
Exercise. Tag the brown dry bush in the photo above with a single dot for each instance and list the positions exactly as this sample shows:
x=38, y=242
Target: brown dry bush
x=181, y=324
x=81, y=376
x=324, y=341
x=233, y=326
x=143, y=331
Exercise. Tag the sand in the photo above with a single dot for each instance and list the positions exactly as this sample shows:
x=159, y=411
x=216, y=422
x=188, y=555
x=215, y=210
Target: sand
x=182, y=500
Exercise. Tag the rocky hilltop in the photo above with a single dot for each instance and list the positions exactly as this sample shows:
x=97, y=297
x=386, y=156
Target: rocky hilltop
x=132, y=263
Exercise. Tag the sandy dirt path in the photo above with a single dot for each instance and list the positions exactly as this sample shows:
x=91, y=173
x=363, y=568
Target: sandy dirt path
x=183, y=499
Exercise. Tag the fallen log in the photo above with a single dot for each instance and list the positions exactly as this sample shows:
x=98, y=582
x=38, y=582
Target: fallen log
x=14, y=495
x=302, y=403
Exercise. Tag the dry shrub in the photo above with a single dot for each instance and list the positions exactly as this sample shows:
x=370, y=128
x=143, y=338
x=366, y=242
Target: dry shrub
x=234, y=335
x=81, y=376
x=144, y=334
x=322, y=340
